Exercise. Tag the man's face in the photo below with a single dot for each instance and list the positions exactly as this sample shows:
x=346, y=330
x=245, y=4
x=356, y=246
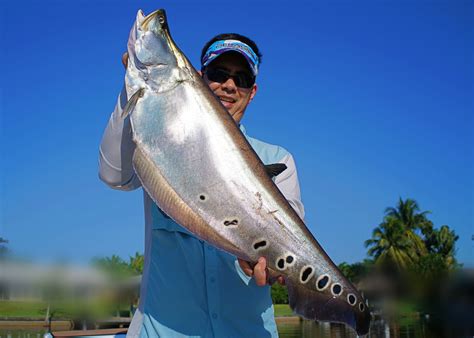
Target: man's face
x=234, y=98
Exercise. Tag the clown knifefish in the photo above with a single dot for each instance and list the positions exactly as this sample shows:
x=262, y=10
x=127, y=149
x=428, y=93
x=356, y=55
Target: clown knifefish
x=196, y=164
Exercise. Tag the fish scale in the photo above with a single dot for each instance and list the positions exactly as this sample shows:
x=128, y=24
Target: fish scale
x=196, y=164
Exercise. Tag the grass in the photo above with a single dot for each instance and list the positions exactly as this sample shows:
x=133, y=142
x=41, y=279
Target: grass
x=283, y=310
x=37, y=310
x=63, y=310
x=9, y=309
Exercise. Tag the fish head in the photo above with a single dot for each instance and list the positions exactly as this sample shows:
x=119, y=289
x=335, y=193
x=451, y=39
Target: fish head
x=154, y=60
x=153, y=47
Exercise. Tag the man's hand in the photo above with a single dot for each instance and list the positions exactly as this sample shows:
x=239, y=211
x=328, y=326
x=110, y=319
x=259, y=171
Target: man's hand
x=260, y=272
x=125, y=59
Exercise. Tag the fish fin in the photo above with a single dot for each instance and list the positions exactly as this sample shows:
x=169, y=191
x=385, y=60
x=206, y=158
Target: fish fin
x=132, y=102
x=275, y=169
x=316, y=305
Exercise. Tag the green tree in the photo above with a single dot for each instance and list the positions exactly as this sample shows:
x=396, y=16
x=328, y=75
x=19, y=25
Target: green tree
x=279, y=294
x=118, y=267
x=113, y=265
x=136, y=263
x=397, y=241
x=412, y=220
x=390, y=246
x=442, y=245
x=357, y=271
x=407, y=239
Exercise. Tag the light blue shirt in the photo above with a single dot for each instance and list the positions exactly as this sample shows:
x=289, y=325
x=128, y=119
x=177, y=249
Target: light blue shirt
x=189, y=288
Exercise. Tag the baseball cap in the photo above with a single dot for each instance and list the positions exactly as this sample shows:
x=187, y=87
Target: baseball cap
x=223, y=46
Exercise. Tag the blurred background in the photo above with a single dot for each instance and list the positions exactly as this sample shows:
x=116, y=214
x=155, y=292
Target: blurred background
x=374, y=100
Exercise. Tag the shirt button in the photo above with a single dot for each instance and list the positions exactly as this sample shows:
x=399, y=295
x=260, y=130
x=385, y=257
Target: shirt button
x=212, y=279
x=214, y=315
x=210, y=248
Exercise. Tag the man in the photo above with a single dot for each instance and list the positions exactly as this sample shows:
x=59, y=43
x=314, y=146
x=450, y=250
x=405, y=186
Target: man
x=189, y=288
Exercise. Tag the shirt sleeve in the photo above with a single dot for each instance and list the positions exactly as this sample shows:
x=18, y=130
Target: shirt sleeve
x=116, y=150
x=289, y=185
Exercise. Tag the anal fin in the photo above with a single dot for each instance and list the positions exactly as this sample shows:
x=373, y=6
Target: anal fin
x=320, y=306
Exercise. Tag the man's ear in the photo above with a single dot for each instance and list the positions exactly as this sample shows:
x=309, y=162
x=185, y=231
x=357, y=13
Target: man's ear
x=253, y=91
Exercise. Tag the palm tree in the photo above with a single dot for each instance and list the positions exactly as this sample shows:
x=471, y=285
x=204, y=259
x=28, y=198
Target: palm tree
x=390, y=246
x=413, y=222
x=444, y=245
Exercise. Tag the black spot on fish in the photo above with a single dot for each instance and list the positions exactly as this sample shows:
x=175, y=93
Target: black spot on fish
x=233, y=222
x=289, y=259
x=306, y=273
x=336, y=289
x=351, y=299
x=281, y=263
x=259, y=245
x=322, y=282
x=361, y=307
x=202, y=197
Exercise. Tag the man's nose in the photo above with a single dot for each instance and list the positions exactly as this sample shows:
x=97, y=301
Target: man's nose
x=229, y=84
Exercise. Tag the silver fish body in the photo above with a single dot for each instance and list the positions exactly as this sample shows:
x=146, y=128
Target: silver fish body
x=195, y=163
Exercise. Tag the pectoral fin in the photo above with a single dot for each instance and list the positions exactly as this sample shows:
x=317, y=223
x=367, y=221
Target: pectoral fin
x=132, y=102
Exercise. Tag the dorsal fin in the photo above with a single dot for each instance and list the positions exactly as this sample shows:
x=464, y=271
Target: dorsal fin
x=275, y=169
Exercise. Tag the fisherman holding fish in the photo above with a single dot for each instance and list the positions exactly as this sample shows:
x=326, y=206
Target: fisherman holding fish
x=189, y=288
x=176, y=132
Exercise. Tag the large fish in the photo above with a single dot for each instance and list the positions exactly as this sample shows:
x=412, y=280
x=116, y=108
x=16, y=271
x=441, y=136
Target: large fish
x=196, y=164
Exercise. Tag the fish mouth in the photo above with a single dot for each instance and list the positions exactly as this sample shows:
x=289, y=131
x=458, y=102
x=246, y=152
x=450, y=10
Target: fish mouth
x=159, y=15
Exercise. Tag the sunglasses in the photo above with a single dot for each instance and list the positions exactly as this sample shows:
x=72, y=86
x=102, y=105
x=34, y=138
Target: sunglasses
x=242, y=79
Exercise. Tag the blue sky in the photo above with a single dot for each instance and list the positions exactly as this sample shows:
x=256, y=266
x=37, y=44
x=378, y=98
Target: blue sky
x=373, y=98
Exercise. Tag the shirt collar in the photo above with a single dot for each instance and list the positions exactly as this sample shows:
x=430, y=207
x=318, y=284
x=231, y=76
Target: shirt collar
x=242, y=129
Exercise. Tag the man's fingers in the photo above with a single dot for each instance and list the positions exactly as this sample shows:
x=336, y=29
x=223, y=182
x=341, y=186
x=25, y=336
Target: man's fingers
x=260, y=272
x=125, y=59
x=281, y=280
x=245, y=266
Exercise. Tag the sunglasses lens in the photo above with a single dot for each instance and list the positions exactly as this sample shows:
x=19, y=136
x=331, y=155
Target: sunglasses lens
x=246, y=80
x=241, y=80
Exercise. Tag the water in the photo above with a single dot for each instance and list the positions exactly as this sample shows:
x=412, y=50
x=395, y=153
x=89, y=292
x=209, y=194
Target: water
x=308, y=329
x=22, y=333
x=408, y=328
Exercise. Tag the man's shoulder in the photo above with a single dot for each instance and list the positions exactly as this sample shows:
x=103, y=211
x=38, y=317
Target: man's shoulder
x=268, y=153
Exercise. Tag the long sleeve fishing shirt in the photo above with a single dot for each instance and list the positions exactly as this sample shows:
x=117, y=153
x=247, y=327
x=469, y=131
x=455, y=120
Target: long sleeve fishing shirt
x=190, y=288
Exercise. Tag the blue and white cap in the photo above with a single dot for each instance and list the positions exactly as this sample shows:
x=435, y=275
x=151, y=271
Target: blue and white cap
x=223, y=46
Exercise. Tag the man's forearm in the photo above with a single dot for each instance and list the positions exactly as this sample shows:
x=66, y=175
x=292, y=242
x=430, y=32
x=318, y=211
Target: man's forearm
x=116, y=150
